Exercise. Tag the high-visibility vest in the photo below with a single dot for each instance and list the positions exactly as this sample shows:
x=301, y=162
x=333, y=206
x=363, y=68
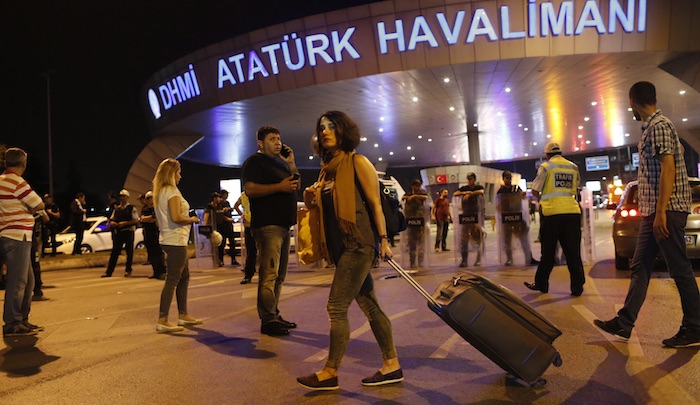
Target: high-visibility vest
x=560, y=187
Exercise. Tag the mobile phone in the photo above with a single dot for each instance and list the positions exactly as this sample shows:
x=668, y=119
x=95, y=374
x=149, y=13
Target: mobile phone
x=295, y=176
x=285, y=151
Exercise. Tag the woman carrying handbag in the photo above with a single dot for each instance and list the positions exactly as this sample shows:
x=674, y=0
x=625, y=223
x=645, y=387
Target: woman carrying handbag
x=353, y=235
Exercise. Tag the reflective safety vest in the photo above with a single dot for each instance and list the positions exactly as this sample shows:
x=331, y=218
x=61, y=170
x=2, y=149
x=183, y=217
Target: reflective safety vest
x=560, y=187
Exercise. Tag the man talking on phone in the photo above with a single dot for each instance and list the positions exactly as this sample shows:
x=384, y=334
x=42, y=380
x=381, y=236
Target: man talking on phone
x=271, y=180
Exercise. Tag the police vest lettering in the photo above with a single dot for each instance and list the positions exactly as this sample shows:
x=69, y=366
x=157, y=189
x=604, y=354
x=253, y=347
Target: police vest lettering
x=511, y=217
x=417, y=222
x=468, y=219
x=564, y=180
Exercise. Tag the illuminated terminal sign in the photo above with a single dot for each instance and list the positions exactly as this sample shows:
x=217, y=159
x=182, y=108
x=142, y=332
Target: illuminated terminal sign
x=295, y=52
x=597, y=163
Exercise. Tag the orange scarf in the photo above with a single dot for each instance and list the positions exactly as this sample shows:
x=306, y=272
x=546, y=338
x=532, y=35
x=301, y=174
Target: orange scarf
x=341, y=168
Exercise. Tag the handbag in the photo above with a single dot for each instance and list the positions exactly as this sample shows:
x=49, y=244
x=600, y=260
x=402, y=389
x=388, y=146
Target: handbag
x=308, y=238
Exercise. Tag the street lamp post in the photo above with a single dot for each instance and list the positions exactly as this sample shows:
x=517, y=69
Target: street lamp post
x=48, y=110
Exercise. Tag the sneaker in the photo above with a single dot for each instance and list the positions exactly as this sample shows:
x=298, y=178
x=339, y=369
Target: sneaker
x=477, y=263
x=235, y=263
x=509, y=262
x=168, y=327
x=31, y=326
x=311, y=382
x=274, y=329
x=39, y=298
x=437, y=250
x=382, y=379
x=106, y=275
x=463, y=263
x=188, y=321
x=246, y=280
x=127, y=274
x=18, y=330
x=445, y=250
x=534, y=262
x=613, y=327
x=684, y=338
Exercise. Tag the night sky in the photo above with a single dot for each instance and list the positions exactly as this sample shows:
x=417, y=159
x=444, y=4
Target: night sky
x=100, y=54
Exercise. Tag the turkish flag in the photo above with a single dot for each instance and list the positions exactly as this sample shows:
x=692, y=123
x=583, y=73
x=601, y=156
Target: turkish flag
x=441, y=179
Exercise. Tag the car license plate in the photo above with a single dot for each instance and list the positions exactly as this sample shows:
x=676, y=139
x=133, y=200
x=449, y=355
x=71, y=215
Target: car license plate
x=690, y=240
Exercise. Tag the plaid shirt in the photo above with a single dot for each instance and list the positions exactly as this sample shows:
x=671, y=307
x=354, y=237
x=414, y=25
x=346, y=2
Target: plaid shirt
x=659, y=137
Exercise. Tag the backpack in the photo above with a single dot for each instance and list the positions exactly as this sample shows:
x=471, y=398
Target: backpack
x=394, y=218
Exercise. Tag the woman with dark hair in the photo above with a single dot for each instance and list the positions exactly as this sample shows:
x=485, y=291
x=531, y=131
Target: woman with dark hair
x=353, y=232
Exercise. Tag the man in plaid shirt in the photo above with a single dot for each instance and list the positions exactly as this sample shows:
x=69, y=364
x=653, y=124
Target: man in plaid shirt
x=664, y=204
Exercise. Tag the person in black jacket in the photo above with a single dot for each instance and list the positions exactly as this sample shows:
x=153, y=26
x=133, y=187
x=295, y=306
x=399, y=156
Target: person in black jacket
x=51, y=228
x=123, y=221
x=150, y=237
x=77, y=221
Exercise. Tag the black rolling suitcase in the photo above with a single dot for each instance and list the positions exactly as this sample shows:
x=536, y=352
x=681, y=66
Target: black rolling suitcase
x=496, y=322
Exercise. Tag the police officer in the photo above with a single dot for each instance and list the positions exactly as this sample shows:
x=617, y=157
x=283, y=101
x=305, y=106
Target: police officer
x=414, y=209
x=556, y=187
x=512, y=220
x=123, y=220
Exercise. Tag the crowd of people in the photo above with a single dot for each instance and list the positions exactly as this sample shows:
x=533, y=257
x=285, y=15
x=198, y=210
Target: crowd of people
x=353, y=231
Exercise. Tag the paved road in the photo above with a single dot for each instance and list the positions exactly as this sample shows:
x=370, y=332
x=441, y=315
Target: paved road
x=100, y=344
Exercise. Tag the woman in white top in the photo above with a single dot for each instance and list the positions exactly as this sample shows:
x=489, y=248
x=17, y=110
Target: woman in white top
x=174, y=222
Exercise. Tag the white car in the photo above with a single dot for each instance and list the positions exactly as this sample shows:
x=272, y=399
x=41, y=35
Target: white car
x=96, y=238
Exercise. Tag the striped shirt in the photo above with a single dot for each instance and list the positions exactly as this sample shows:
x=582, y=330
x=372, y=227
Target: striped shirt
x=16, y=198
x=659, y=138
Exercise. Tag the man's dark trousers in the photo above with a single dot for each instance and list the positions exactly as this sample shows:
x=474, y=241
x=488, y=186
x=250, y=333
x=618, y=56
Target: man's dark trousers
x=121, y=238
x=565, y=228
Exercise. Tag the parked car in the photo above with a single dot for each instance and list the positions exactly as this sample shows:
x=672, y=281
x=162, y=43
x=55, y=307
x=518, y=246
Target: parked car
x=96, y=238
x=626, y=221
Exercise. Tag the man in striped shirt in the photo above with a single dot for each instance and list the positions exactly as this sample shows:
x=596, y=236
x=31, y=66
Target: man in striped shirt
x=18, y=202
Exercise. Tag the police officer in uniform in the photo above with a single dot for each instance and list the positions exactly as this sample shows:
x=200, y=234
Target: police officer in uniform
x=123, y=221
x=511, y=205
x=556, y=187
x=414, y=209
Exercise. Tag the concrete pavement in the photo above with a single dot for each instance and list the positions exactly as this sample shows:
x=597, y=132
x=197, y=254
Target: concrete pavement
x=100, y=344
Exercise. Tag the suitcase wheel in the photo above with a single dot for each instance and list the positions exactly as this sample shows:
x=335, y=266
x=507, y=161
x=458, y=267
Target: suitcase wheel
x=557, y=360
x=538, y=383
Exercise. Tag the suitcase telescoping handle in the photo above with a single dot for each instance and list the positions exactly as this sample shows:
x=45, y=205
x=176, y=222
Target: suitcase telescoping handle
x=431, y=301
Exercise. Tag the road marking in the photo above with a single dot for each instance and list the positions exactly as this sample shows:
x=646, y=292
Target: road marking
x=631, y=348
x=446, y=348
x=322, y=354
x=590, y=291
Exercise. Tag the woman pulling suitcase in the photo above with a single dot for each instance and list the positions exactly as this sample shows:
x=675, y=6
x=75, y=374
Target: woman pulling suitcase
x=354, y=231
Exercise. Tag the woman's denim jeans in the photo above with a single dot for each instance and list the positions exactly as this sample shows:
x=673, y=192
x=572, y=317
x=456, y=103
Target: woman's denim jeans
x=176, y=281
x=353, y=281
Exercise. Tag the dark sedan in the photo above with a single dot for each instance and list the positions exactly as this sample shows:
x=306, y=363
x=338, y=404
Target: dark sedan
x=626, y=225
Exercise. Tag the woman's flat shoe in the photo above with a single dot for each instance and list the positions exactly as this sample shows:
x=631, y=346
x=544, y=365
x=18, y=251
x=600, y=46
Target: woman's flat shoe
x=168, y=328
x=311, y=382
x=382, y=379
